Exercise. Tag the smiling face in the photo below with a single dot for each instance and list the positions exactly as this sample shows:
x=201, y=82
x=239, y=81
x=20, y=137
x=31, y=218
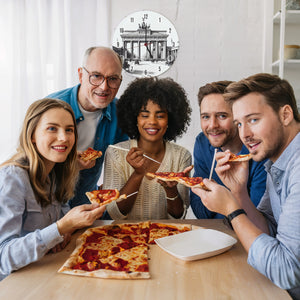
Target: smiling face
x=217, y=121
x=101, y=61
x=260, y=127
x=54, y=136
x=152, y=122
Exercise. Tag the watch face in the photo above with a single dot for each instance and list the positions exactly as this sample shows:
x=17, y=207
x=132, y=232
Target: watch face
x=147, y=42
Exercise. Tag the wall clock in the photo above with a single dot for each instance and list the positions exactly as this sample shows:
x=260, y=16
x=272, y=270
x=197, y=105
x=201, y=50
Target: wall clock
x=147, y=42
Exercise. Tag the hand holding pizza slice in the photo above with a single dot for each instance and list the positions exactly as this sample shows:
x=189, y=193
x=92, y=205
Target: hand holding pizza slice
x=90, y=154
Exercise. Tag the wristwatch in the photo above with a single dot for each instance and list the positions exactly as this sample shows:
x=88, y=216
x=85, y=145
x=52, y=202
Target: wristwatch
x=231, y=216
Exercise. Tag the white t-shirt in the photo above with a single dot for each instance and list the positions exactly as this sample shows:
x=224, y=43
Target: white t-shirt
x=87, y=128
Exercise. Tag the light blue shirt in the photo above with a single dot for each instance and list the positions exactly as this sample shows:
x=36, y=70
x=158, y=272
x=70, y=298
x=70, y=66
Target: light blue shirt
x=28, y=231
x=277, y=255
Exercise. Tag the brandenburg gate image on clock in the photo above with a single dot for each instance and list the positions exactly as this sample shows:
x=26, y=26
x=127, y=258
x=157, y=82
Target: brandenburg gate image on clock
x=145, y=51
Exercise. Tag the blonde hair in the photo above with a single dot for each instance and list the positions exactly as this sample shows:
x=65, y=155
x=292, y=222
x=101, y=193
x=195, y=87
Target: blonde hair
x=64, y=175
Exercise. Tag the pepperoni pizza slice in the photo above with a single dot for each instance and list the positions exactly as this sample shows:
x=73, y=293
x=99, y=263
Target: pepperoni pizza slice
x=167, y=176
x=241, y=157
x=90, y=154
x=193, y=182
x=103, y=197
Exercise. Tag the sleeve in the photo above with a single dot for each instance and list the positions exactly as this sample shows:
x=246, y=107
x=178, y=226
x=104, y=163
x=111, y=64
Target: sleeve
x=200, y=170
x=256, y=181
x=17, y=251
x=278, y=256
x=114, y=178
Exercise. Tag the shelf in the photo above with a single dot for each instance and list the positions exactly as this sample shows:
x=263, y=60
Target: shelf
x=286, y=62
x=292, y=17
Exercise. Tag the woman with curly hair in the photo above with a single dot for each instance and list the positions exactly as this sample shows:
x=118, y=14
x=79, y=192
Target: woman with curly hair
x=35, y=185
x=152, y=112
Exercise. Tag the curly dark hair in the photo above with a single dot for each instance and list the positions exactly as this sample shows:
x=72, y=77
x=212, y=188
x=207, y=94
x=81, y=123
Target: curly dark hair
x=165, y=92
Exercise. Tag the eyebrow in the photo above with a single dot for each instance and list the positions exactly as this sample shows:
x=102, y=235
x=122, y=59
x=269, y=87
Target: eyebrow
x=157, y=112
x=56, y=124
x=247, y=116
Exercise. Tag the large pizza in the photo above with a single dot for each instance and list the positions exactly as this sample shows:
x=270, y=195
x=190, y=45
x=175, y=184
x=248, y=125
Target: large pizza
x=117, y=250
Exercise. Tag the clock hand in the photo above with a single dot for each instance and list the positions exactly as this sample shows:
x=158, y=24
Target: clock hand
x=148, y=50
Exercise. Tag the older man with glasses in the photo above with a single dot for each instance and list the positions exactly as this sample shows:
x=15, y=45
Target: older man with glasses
x=94, y=104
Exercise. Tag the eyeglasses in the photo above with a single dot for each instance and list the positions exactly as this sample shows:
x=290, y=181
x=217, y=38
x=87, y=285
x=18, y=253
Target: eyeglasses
x=97, y=79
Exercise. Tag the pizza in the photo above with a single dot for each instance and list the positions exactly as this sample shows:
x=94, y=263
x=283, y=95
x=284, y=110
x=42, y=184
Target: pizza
x=181, y=177
x=103, y=197
x=90, y=154
x=193, y=182
x=241, y=157
x=167, y=176
x=117, y=250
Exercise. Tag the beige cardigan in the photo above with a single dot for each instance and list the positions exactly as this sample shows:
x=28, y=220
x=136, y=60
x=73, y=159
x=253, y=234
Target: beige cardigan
x=151, y=200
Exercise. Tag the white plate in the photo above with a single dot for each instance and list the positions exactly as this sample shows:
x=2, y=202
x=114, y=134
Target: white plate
x=196, y=244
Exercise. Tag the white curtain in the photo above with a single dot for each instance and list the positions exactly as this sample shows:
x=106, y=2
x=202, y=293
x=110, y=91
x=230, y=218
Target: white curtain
x=41, y=47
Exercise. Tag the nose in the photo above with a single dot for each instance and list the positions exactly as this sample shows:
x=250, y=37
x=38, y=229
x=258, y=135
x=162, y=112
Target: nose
x=244, y=131
x=62, y=135
x=104, y=84
x=213, y=122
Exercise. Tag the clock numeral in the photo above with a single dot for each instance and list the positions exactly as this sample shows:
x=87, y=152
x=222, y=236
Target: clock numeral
x=121, y=29
x=145, y=16
x=132, y=19
x=170, y=30
x=145, y=72
x=159, y=69
x=159, y=19
x=131, y=68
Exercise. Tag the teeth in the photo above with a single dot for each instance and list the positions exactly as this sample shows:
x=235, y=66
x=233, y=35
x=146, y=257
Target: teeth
x=59, y=147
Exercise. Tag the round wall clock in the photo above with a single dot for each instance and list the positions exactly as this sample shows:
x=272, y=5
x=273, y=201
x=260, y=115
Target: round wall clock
x=147, y=42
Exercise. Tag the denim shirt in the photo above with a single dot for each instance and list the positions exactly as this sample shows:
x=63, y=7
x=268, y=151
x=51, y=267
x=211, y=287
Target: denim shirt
x=28, y=231
x=203, y=157
x=107, y=133
x=277, y=255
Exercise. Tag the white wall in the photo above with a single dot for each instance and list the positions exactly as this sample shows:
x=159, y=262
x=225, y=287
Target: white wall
x=219, y=39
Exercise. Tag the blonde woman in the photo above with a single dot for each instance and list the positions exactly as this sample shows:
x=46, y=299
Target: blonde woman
x=35, y=185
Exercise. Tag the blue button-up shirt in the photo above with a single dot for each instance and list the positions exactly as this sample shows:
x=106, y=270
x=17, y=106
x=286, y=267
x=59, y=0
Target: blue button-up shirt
x=203, y=157
x=27, y=230
x=107, y=133
x=277, y=255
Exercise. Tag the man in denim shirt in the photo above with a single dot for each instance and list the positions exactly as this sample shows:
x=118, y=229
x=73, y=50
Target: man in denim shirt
x=94, y=104
x=265, y=111
x=219, y=133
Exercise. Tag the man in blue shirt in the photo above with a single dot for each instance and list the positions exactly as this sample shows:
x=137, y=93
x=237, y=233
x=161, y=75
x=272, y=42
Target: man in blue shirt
x=219, y=132
x=265, y=110
x=94, y=104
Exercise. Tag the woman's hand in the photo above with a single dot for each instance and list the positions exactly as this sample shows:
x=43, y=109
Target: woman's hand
x=62, y=245
x=136, y=159
x=79, y=217
x=82, y=164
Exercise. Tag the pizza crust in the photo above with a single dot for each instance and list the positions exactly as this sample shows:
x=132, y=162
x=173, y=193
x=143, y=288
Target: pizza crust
x=94, y=199
x=238, y=158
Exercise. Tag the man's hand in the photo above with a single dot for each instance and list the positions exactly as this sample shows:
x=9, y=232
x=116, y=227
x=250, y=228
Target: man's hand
x=82, y=164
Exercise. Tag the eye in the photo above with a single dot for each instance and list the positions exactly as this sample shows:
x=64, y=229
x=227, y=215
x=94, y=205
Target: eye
x=113, y=79
x=97, y=76
x=161, y=116
x=253, y=120
x=222, y=117
x=51, y=128
x=204, y=117
x=70, y=130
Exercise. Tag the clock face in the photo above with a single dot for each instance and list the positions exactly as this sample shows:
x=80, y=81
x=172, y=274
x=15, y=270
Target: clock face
x=147, y=42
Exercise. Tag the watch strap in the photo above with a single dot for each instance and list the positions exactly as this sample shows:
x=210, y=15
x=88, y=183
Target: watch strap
x=235, y=213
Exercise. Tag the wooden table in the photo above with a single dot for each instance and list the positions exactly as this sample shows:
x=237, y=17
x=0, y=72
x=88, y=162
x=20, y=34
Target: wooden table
x=225, y=276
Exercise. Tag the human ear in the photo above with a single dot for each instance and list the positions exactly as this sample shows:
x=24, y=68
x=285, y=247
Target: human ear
x=286, y=114
x=79, y=70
